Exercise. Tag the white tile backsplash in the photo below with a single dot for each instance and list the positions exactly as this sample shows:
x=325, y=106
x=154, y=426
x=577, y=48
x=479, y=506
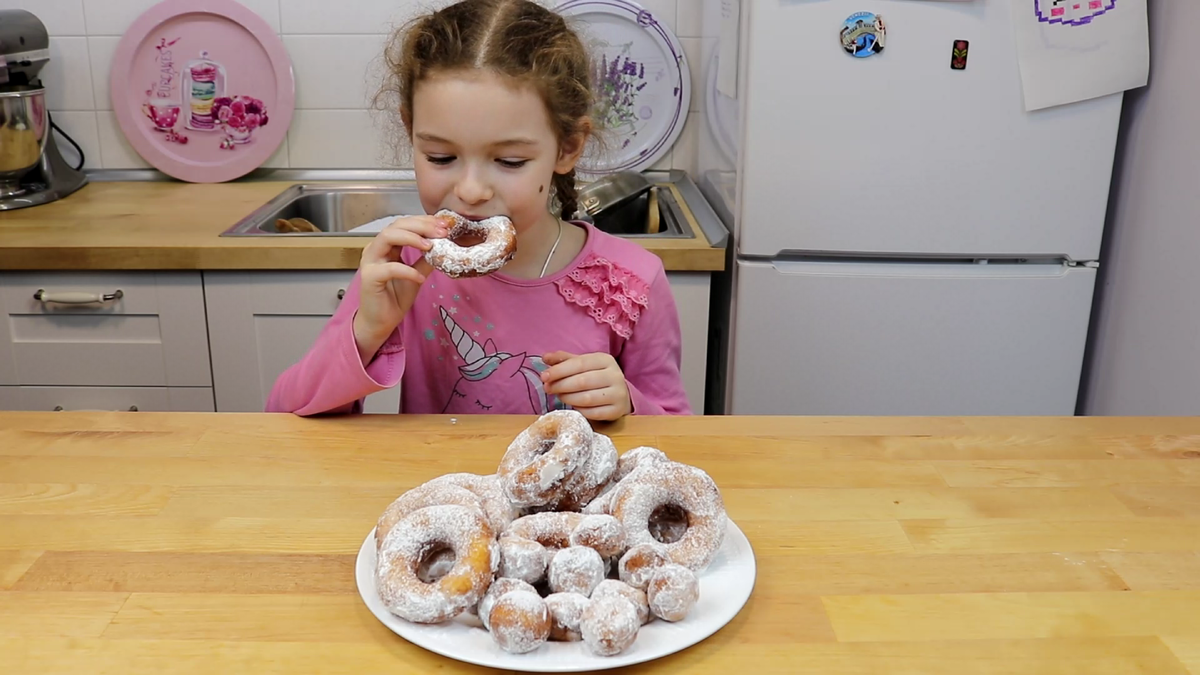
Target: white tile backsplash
x=323, y=17
x=81, y=127
x=342, y=139
x=115, y=151
x=113, y=17
x=336, y=50
x=101, y=50
x=61, y=17
x=684, y=153
x=68, y=75
x=336, y=71
x=698, y=52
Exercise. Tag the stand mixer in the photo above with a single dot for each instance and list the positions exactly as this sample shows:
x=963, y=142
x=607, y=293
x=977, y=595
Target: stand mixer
x=32, y=171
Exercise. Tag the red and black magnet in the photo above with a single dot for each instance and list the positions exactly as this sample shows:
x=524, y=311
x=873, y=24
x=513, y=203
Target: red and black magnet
x=958, y=57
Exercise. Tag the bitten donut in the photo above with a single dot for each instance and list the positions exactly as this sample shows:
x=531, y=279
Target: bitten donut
x=423, y=535
x=498, y=246
x=566, y=611
x=543, y=457
x=674, y=498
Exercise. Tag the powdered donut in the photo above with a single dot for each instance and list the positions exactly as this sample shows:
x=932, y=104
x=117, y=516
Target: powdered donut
x=523, y=559
x=599, y=505
x=600, y=532
x=566, y=611
x=499, y=511
x=551, y=529
x=429, y=494
x=519, y=621
x=498, y=589
x=635, y=457
x=624, y=590
x=544, y=457
x=667, y=493
x=672, y=592
x=609, y=625
x=499, y=245
x=592, y=477
x=577, y=569
x=424, y=534
x=639, y=563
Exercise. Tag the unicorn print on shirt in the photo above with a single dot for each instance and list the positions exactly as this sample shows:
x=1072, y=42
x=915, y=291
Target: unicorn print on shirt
x=494, y=380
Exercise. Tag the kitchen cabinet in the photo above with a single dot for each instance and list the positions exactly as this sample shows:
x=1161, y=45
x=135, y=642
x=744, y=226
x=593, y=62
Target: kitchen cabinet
x=260, y=323
x=140, y=334
x=137, y=399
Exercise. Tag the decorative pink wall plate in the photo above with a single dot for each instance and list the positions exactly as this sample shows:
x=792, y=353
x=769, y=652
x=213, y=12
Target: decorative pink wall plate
x=203, y=89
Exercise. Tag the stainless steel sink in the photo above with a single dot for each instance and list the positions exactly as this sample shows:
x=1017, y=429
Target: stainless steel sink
x=335, y=209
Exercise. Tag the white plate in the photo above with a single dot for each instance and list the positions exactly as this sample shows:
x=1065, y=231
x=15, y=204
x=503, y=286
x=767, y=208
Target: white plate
x=724, y=588
x=652, y=105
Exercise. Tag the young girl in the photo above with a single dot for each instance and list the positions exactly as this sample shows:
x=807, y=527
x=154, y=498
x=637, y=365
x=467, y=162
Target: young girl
x=495, y=97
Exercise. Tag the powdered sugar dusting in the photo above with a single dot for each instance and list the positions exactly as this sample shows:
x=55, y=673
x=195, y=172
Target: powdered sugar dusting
x=623, y=590
x=498, y=589
x=661, y=483
x=494, y=252
x=601, y=532
x=520, y=622
x=532, y=469
x=577, y=569
x=672, y=592
x=550, y=528
x=566, y=611
x=609, y=625
x=523, y=559
x=639, y=562
x=631, y=459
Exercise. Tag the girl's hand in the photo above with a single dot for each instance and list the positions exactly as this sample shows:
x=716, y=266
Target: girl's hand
x=593, y=384
x=388, y=285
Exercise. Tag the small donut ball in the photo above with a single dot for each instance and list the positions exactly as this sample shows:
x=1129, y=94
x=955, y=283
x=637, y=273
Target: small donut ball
x=566, y=611
x=601, y=532
x=672, y=592
x=522, y=559
x=609, y=625
x=577, y=569
x=520, y=622
x=500, y=587
x=639, y=562
x=624, y=590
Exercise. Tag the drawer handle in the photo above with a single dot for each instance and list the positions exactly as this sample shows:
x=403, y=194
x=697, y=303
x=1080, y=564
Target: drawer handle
x=59, y=408
x=77, y=297
x=341, y=293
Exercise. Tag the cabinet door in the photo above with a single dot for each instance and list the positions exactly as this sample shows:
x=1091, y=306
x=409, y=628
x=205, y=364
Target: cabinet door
x=9, y=398
x=140, y=329
x=260, y=323
x=691, y=291
x=144, y=399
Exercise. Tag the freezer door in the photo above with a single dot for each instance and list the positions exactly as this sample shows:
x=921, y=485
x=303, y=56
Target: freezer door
x=829, y=338
x=899, y=154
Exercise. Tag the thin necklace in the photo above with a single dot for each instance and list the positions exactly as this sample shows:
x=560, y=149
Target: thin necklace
x=552, y=248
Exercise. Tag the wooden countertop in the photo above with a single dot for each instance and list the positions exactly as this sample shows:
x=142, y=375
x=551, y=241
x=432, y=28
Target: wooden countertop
x=201, y=543
x=175, y=226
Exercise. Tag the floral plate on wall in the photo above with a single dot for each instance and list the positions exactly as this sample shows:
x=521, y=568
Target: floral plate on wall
x=202, y=89
x=641, y=81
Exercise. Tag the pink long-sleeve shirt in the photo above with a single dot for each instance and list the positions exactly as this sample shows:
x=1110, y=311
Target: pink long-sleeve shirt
x=476, y=345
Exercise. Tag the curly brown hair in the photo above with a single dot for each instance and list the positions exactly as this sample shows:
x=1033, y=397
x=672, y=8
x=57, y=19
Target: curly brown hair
x=519, y=39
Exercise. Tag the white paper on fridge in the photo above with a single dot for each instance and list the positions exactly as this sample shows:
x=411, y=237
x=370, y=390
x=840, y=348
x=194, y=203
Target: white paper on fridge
x=1074, y=50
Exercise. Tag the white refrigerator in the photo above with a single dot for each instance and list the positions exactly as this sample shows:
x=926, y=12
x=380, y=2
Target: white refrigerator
x=909, y=241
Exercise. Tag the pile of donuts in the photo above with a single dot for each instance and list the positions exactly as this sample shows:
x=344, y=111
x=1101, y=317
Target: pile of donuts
x=565, y=542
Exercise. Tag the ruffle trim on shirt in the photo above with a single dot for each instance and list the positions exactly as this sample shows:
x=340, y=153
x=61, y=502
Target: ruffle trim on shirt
x=611, y=294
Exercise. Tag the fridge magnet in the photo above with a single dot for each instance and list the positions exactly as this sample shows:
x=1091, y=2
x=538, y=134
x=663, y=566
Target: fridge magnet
x=864, y=34
x=958, y=55
x=1071, y=12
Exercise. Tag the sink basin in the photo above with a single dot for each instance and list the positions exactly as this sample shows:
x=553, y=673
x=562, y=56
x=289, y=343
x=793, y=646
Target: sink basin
x=335, y=209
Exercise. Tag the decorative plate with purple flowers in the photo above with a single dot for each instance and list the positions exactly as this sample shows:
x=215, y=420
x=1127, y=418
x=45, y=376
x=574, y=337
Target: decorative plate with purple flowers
x=641, y=81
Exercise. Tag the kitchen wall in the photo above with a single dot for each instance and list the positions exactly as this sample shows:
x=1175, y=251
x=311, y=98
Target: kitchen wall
x=1144, y=355
x=335, y=48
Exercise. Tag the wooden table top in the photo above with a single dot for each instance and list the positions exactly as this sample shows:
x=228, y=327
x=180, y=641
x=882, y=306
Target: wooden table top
x=176, y=226
x=200, y=543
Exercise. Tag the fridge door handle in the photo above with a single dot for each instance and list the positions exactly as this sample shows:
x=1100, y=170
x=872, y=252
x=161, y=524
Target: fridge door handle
x=924, y=269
